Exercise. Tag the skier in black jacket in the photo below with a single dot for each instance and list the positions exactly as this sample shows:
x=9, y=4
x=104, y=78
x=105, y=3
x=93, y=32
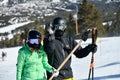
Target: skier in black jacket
x=58, y=45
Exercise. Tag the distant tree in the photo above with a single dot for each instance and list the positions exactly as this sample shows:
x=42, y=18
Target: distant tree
x=2, y=42
x=15, y=40
x=70, y=25
x=18, y=40
x=40, y=28
x=23, y=36
x=12, y=43
x=107, y=29
x=89, y=17
x=7, y=43
x=26, y=30
x=115, y=28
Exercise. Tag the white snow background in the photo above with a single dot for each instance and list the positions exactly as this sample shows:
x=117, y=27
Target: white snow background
x=106, y=65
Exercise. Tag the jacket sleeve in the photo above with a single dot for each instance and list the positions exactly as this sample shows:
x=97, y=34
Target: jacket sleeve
x=48, y=46
x=80, y=52
x=46, y=65
x=20, y=64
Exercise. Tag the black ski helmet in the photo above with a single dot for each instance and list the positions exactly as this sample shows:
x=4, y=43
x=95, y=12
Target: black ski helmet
x=59, y=24
x=34, y=34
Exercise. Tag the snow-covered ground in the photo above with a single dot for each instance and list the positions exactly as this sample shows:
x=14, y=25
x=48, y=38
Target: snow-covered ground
x=107, y=61
x=13, y=27
x=9, y=28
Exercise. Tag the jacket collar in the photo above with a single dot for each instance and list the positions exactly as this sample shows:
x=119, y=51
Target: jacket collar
x=61, y=37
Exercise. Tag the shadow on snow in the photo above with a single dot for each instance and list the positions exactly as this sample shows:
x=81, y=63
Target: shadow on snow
x=109, y=76
x=110, y=64
x=106, y=77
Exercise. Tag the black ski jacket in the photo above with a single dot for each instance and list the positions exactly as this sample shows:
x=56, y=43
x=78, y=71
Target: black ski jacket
x=58, y=49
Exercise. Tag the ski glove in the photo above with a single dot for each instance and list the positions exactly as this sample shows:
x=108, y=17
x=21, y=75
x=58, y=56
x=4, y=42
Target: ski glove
x=85, y=35
x=54, y=72
x=50, y=34
x=92, y=48
x=50, y=31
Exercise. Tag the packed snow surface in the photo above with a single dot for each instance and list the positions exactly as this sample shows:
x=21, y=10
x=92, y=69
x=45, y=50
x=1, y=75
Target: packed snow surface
x=106, y=65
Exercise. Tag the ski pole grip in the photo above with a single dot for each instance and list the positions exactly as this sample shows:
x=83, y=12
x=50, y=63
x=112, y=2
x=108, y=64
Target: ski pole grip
x=94, y=35
x=85, y=34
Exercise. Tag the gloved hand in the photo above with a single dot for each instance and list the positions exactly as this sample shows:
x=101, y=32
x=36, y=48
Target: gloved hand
x=85, y=35
x=50, y=31
x=92, y=48
x=54, y=72
x=50, y=34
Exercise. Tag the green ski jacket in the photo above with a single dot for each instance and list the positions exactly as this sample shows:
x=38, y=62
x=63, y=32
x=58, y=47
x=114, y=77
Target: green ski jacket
x=31, y=65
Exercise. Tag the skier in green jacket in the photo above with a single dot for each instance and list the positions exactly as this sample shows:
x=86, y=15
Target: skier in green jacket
x=32, y=60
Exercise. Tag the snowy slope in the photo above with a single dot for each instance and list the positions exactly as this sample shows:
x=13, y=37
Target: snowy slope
x=9, y=28
x=8, y=67
x=107, y=62
x=13, y=27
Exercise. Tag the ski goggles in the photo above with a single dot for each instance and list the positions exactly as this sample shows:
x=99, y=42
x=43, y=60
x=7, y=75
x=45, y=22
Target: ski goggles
x=60, y=27
x=34, y=41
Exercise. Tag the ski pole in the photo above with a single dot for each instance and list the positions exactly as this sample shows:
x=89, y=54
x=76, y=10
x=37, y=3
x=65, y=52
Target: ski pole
x=71, y=53
x=94, y=38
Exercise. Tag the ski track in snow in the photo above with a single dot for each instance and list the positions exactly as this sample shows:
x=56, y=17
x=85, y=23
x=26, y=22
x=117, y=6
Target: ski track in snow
x=106, y=65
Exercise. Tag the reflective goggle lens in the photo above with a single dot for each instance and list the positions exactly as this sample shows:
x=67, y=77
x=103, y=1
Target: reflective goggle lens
x=34, y=41
x=61, y=27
